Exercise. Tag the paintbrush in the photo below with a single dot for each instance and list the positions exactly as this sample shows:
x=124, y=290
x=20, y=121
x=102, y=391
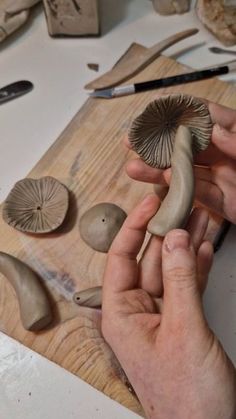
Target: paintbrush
x=129, y=89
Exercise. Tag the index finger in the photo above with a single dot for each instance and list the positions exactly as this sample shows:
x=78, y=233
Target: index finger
x=121, y=272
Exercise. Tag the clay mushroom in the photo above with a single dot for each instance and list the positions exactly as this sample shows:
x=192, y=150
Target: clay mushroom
x=36, y=205
x=168, y=133
x=99, y=225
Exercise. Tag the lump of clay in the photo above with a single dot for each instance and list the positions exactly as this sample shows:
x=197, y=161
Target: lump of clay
x=36, y=205
x=219, y=16
x=100, y=224
x=170, y=7
x=168, y=132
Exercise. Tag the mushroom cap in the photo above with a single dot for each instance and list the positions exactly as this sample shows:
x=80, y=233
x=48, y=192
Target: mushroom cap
x=100, y=224
x=36, y=205
x=152, y=133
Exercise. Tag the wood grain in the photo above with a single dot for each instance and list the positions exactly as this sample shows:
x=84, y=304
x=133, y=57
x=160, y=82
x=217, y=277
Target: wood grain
x=89, y=159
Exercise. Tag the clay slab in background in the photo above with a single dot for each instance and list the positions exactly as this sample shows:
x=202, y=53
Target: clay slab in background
x=72, y=17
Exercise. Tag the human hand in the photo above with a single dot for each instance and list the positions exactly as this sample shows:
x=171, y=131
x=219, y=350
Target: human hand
x=175, y=364
x=215, y=170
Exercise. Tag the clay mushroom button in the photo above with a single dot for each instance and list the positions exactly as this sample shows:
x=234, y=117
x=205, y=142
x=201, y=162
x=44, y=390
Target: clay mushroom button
x=100, y=224
x=168, y=133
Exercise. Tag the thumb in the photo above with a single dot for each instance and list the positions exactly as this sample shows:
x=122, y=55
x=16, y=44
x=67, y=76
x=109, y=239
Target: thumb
x=224, y=140
x=182, y=301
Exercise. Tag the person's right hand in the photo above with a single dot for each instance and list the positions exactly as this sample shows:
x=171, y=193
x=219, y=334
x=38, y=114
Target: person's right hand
x=215, y=169
x=152, y=318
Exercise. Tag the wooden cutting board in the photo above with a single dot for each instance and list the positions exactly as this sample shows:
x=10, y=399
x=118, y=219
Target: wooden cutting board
x=89, y=158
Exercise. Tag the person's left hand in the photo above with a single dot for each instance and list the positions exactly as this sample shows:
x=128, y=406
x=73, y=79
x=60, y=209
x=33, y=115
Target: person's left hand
x=172, y=359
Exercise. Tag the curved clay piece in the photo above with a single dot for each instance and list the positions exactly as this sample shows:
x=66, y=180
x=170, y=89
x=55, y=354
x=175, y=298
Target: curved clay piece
x=161, y=190
x=36, y=205
x=34, y=305
x=177, y=205
x=100, y=224
x=153, y=135
x=91, y=297
x=170, y=7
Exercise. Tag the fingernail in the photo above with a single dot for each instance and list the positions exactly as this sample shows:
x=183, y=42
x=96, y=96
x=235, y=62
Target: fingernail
x=177, y=240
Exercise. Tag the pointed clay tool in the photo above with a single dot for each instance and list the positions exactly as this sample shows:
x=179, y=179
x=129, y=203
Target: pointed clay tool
x=136, y=63
x=169, y=131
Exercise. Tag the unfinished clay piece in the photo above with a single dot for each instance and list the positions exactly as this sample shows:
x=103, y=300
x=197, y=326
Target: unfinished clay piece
x=93, y=66
x=166, y=134
x=219, y=16
x=34, y=305
x=169, y=7
x=99, y=225
x=72, y=17
x=91, y=297
x=14, y=14
x=36, y=205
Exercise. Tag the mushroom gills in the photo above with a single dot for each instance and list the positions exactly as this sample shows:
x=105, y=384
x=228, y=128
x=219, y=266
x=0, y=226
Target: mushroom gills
x=177, y=205
x=35, y=310
x=36, y=205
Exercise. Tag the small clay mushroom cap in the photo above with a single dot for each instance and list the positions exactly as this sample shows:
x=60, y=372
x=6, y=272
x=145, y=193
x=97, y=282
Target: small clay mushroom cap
x=152, y=133
x=100, y=224
x=36, y=205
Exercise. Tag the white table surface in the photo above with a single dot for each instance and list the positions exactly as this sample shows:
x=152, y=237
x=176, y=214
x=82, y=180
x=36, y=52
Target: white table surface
x=30, y=124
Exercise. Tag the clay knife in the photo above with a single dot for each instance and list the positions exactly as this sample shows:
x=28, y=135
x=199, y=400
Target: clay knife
x=134, y=64
x=14, y=90
x=165, y=82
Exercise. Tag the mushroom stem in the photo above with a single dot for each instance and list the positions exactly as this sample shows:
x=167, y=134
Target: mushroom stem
x=34, y=305
x=91, y=297
x=177, y=205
